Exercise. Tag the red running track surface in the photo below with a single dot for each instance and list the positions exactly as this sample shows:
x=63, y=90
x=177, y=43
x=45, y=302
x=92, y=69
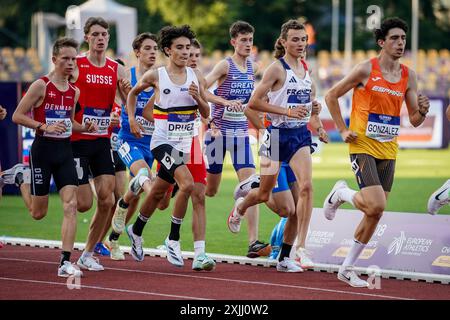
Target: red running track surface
x=31, y=273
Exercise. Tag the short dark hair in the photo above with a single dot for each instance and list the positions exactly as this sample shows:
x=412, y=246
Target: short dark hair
x=92, y=21
x=241, y=27
x=62, y=43
x=169, y=33
x=196, y=43
x=137, y=42
x=388, y=24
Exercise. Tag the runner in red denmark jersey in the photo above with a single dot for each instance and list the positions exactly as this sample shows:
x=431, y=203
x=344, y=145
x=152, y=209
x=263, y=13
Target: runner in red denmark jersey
x=98, y=89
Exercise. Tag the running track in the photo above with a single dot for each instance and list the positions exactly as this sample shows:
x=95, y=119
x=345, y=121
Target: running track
x=30, y=273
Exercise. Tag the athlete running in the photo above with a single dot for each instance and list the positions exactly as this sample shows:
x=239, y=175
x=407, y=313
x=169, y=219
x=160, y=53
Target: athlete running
x=52, y=100
x=179, y=92
x=380, y=85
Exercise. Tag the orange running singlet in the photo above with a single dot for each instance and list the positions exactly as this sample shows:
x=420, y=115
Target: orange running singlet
x=375, y=114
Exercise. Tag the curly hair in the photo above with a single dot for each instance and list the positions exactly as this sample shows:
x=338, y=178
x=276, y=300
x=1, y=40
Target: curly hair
x=169, y=33
x=388, y=24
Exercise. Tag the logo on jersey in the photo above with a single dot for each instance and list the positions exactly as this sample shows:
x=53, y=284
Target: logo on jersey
x=376, y=78
x=388, y=91
x=52, y=94
x=235, y=77
x=292, y=80
x=112, y=68
x=84, y=66
x=166, y=91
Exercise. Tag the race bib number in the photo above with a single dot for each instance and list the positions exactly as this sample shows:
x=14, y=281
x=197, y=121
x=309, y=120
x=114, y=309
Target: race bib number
x=305, y=119
x=115, y=141
x=98, y=116
x=382, y=128
x=230, y=114
x=180, y=126
x=148, y=126
x=296, y=99
x=65, y=134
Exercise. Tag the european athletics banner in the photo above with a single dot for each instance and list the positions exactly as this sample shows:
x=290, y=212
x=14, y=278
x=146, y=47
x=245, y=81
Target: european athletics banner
x=407, y=242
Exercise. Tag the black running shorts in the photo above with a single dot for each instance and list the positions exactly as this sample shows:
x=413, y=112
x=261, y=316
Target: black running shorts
x=93, y=156
x=370, y=171
x=118, y=163
x=51, y=157
x=170, y=159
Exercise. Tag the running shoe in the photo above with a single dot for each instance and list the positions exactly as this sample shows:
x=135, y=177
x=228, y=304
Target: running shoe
x=350, y=277
x=101, y=249
x=67, y=269
x=174, y=252
x=244, y=187
x=258, y=249
x=90, y=263
x=135, y=186
x=116, y=253
x=288, y=265
x=136, y=244
x=332, y=201
x=118, y=219
x=234, y=219
x=439, y=198
x=16, y=174
x=203, y=262
x=304, y=258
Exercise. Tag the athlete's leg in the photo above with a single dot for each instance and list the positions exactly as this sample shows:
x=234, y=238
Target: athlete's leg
x=104, y=185
x=84, y=198
x=68, y=196
x=213, y=183
x=252, y=213
x=186, y=185
x=26, y=195
x=198, y=212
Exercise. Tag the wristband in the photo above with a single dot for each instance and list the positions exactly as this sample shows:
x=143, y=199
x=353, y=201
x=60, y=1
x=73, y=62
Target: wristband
x=289, y=113
x=39, y=126
x=422, y=114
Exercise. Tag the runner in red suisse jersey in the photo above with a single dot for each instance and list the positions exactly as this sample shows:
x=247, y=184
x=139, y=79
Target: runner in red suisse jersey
x=52, y=99
x=100, y=81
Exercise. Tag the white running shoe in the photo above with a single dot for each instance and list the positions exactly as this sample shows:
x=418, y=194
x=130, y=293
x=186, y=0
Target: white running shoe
x=234, y=219
x=439, y=198
x=174, y=252
x=134, y=185
x=90, y=263
x=68, y=269
x=304, y=258
x=203, y=262
x=114, y=249
x=15, y=175
x=332, y=201
x=288, y=265
x=136, y=244
x=350, y=277
x=244, y=187
x=118, y=219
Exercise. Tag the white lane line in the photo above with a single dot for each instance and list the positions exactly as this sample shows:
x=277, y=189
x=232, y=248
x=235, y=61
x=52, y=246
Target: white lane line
x=234, y=280
x=105, y=289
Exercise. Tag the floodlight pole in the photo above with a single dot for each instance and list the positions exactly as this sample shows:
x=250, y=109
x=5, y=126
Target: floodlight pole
x=348, y=34
x=415, y=32
x=335, y=26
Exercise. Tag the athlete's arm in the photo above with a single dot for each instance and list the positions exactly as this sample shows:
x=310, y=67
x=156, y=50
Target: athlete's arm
x=254, y=117
x=89, y=126
x=358, y=75
x=123, y=84
x=199, y=95
x=258, y=99
x=148, y=80
x=417, y=106
x=34, y=97
x=316, y=123
x=448, y=112
x=147, y=113
x=2, y=113
x=218, y=73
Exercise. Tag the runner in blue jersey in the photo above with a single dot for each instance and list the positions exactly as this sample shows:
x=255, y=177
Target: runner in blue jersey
x=135, y=151
x=235, y=80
